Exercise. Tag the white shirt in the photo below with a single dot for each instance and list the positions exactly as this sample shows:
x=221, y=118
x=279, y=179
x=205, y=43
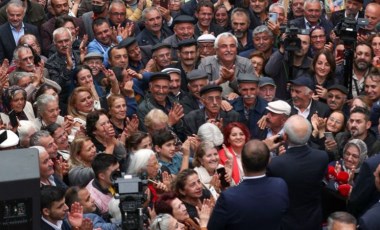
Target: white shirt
x=306, y=112
x=56, y=227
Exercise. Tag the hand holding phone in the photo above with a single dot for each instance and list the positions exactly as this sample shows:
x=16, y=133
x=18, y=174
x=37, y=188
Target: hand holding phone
x=222, y=173
x=273, y=17
x=329, y=136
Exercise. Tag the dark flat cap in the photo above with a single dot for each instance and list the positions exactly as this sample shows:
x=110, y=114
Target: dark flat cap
x=210, y=88
x=247, y=78
x=159, y=76
x=304, y=81
x=183, y=18
x=186, y=42
x=341, y=88
x=160, y=46
x=196, y=74
x=266, y=81
x=127, y=42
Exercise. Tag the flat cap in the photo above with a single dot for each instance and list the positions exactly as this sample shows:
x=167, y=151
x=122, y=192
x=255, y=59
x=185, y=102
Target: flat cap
x=196, y=74
x=160, y=46
x=171, y=70
x=186, y=42
x=304, y=80
x=266, y=81
x=210, y=88
x=206, y=38
x=158, y=76
x=279, y=107
x=341, y=88
x=11, y=139
x=93, y=55
x=247, y=78
x=183, y=18
x=127, y=42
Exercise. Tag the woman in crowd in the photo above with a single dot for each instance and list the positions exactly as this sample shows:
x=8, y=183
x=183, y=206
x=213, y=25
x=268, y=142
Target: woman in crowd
x=206, y=163
x=82, y=153
x=16, y=107
x=166, y=222
x=46, y=89
x=318, y=41
x=81, y=103
x=191, y=192
x=258, y=60
x=136, y=141
x=235, y=136
x=209, y=132
x=361, y=101
x=221, y=16
x=375, y=43
x=322, y=73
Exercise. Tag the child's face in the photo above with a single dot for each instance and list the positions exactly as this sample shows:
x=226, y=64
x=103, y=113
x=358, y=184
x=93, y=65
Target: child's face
x=167, y=150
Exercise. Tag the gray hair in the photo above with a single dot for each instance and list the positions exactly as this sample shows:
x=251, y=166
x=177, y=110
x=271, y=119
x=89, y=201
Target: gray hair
x=209, y=132
x=362, y=146
x=18, y=49
x=116, y=2
x=277, y=4
x=139, y=161
x=42, y=101
x=294, y=137
x=24, y=129
x=35, y=138
x=161, y=222
x=16, y=3
x=147, y=11
x=312, y=1
x=18, y=76
x=39, y=148
x=224, y=35
x=262, y=29
x=61, y=30
x=343, y=217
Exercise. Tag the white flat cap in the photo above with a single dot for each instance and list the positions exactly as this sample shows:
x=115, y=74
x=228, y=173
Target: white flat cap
x=206, y=38
x=279, y=107
x=10, y=141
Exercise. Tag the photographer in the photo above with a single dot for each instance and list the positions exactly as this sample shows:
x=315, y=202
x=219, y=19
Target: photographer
x=279, y=63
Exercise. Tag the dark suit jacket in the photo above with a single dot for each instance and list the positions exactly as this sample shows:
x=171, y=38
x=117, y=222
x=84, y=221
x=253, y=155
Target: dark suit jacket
x=303, y=169
x=338, y=16
x=253, y=204
x=300, y=23
x=364, y=194
x=316, y=107
x=8, y=43
x=370, y=220
x=45, y=226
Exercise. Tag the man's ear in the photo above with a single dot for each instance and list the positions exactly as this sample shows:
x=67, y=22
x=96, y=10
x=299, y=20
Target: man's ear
x=157, y=148
x=45, y=212
x=102, y=176
x=368, y=124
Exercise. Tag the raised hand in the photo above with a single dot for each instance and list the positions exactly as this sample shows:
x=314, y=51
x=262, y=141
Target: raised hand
x=175, y=114
x=75, y=216
x=87, y=224
x=83, y=47
x=204, y=212
x=132, y=124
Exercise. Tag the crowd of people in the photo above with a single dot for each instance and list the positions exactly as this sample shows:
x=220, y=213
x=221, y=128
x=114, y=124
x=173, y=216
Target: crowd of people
x=231, y=119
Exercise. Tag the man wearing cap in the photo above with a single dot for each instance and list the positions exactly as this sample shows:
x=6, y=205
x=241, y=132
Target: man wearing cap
x=94, y=61
x=159, y=98
x=211, y=97
x=353, y=9
x=250, y=107
x=302, y=103
x=175, y=83
x=337, y=98
x=224, y=67
x=196, y=79
x=267, y=89
x=204, y=13
x=138, y=56
x=161, y=58
x=188, y=59
x=155, y=31
x=206, y=45
x=183, y=29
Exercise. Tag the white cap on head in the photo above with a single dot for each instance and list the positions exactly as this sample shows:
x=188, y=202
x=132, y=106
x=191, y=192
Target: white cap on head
x=279, y=107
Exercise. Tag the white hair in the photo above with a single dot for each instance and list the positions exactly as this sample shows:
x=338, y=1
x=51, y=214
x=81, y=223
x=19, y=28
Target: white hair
x=40, y=149
x=209, y=132
x=223, y=35
x=139, y=161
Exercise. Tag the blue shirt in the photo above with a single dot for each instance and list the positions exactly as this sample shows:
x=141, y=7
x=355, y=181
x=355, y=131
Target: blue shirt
x=17, y=34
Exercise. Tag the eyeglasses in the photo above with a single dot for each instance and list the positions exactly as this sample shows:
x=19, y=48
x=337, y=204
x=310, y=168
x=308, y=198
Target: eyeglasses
x=336, y=121
x=212, y=99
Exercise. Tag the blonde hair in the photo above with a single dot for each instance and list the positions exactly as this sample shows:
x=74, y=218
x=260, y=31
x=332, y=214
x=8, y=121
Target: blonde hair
x=155, y=116
x=75, y=149
x=71, y=110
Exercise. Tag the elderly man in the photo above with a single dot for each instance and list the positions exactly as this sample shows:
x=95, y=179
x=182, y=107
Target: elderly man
x=297, y=9
x=302, y=103
x=12, y=30
x=138, y=56
x=155, y=30
x=161, y=58
x=258, y=12
x=267, y=89
x=206, y=45
x=279, y=9
x=224, y=67
x=312, y=17
x=278, y=66
x=240, y=28
x=196, y=79
x=204, y=13
x=372, y=13
x=211, y=97
x=250, y=107
x=188, y=54
x=183, y=27
x=62, y=63
x=175, y=83
x=263, y=41
x=337, y=98
x=303, y=169
x=94, y=60
x=341, y=220
x=353, y=10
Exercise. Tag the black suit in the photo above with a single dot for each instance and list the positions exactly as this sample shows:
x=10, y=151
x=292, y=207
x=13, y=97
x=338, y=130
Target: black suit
x=300, y=23
x=364, y=194
x=303, y=169
x=253, y=204
x=316, y=107
x=338, y=16
x=370, y=220
x=8, y=43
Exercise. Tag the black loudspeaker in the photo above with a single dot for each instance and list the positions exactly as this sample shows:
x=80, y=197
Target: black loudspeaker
x=19, y=190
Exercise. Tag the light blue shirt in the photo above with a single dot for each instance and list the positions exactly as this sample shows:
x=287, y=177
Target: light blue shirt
x=17, y=34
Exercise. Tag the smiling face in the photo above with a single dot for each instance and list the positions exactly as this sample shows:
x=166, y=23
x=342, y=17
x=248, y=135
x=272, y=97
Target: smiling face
x=184, y=30
x=313, y=12
x=210, y=160
x=322, y=66
x=318, y=39
x=221, y=17
x=84, y=102
x=46, y=165
x=237, y=138
x=204, y=16
x=87, y=152
x=152, y=167
x=335, y=122
x=18, y=102
x=84, y=78
x=351, y=157
x=118, y=109
x=227, y=49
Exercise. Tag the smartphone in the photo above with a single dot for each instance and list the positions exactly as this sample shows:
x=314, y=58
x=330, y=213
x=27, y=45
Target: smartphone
x=329, y=136
x=222, y=172
x=164, y=3
x=273, y=17
x=362, y=31
x=340, y=54
x=13, y=119
x=279, y=138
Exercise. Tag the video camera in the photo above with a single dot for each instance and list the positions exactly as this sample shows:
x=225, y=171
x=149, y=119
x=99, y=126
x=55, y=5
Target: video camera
x=131, y=190
x=348, y=29
x=292, y=42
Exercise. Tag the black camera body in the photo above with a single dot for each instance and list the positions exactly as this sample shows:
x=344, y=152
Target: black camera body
x=292, y=42
x=348, y=29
